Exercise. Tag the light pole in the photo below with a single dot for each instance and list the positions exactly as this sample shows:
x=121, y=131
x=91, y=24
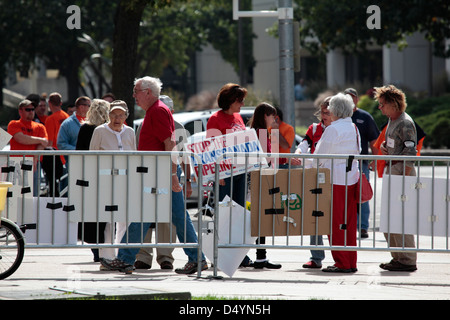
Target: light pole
x=285, y=14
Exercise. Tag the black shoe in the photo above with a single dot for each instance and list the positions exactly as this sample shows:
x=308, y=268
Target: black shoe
x=266, y=264
x=364, y=233
x=338, y=270
x=141, y=265
x=397, y=266
x=246, y=263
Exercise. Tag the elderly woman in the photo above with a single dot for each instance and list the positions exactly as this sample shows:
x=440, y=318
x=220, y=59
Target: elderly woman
x=97, y=115
x=114, y=135
x=342, y=137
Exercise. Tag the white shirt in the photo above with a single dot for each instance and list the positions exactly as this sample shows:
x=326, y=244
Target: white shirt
x=340, y=138
x=104, y=138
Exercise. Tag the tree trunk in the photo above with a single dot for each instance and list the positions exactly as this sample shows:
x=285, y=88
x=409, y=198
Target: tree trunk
x=127, y=21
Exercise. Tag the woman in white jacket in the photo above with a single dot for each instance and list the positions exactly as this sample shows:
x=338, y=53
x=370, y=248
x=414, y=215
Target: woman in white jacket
x=114, y=135
x=342, y=137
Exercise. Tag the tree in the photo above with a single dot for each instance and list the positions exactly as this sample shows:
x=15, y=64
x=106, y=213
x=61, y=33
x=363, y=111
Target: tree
x=345, y=26
x=33, y=29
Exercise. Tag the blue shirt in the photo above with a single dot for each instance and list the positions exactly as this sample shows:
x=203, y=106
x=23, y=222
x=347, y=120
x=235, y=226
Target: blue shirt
x=68, y=133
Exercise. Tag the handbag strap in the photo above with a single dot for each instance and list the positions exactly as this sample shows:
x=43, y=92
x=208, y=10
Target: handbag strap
x=357, y=140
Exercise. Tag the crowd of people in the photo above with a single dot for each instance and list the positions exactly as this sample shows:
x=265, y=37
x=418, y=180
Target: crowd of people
x=343, y=128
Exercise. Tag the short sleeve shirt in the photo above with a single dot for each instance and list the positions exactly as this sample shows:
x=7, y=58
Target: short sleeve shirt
x=367, y=127
x=157, y=126
x=225, y=123
x=53, y=123
x=29, y=128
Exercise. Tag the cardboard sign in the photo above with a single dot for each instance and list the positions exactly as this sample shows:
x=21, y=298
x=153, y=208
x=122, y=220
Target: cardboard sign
x=307, y=194
x=210, y=150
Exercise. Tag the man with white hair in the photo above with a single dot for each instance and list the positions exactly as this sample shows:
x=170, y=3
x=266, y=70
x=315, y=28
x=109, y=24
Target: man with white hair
x=157, y=134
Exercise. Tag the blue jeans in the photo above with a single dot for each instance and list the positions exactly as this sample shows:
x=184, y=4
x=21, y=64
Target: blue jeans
x=239, y=189
x=365, y=208
x=134, y=231
x=317, y=255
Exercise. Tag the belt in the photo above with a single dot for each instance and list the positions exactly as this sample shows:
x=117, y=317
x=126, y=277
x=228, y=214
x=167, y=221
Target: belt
x=394, y=162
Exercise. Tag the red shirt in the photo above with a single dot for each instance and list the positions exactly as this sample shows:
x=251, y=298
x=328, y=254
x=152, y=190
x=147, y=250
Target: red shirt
x=225, y=123
x=29, y=128
x=157, y=126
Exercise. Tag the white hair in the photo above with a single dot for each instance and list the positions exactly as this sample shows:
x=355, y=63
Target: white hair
x=341, y=106
x=154, y=84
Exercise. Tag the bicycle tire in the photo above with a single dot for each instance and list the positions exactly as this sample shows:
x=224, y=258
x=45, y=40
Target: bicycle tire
x=12, y=248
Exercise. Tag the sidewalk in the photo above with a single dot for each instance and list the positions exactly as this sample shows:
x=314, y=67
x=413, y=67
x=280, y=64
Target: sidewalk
x=53, y=273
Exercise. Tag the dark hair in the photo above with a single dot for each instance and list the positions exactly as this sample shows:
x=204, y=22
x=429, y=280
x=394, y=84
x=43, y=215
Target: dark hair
x=229, y=94
x=279, y=113
x=258, y=121
x=82, y=100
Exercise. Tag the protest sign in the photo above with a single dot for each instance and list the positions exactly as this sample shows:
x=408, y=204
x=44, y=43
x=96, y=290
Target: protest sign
x=210, y=150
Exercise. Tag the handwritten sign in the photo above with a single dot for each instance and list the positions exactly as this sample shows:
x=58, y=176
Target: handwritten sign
x=211, y=150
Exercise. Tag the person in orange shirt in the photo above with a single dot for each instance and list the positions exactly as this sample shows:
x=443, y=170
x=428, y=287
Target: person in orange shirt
x=54, y=121
x=41, y=111
x=286, y=135
x=52, y=124
x=28, y=135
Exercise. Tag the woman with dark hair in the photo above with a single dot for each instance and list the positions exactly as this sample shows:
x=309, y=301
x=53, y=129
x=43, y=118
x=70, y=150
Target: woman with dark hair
x=228, y=120
x=262, y=119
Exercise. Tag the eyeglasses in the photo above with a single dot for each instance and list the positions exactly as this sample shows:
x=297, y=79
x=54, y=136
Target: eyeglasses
x=136, y=91
x=28, y=109
x=118, y=116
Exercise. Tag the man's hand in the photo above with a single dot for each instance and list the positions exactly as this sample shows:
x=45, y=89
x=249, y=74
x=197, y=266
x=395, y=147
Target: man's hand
x=176, y=187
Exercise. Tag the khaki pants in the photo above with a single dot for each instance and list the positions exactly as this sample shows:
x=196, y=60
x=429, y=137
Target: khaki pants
x=396, y=240
x=162, y=254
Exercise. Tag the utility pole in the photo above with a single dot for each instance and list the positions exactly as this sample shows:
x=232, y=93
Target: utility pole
x=285, y=14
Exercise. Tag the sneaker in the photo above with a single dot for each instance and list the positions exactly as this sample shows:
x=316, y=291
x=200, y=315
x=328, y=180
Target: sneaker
x=191, y=267
x=312, y=265
x=118, y=265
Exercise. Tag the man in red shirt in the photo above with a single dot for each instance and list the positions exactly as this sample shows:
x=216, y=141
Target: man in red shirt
x=157, y=134
x=28, y=135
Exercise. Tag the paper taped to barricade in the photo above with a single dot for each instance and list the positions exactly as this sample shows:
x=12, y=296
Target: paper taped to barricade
x=233, y=228
x=209, y=150
x=53, y=225
x=415, y=205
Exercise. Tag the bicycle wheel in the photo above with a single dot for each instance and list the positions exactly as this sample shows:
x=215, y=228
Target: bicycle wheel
x=12, y=246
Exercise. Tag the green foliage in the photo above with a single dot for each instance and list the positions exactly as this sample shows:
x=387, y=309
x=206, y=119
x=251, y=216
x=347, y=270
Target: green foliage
x=431, y=114
x=345, y=26
x=171, y=35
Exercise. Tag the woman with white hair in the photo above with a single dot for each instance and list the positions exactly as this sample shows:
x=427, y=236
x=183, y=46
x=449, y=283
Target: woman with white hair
x=342, y=137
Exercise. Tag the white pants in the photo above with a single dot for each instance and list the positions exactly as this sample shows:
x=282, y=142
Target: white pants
x=113, y=234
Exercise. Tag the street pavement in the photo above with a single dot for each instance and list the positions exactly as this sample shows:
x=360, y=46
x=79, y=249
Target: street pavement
x=70, y=273
x=64, y=273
